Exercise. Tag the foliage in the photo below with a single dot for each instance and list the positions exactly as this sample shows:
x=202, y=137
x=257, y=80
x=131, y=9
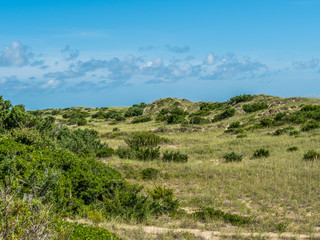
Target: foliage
x=261, y=152
x=199, y=120
x=147, y=153
x=291, y=149
x=207, y=106
x=234, y=125
x=24, y=219
x=311, y=155
x=125, y=152
x=310, y=126
x=229, y=112
x=149, y=173
x=114, y=114
x=105, y=152
x=80, y=141
x=240, y=98
x=133, y=111
x=76, y=116
x=174, y=156
x=141, y=119
x=176, y=116
x=232, y=157
x=165, y=198
x=253, y=107
x=207, y=214
x=86, y=232
x=143, y=139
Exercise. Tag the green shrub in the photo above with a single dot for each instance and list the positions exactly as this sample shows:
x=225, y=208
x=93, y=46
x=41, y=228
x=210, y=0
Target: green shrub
x=176, y=116
x=209, y=214
x=253, y=107
x=86, y=232
x=147, y=153
x=240, y=98
x=310, y=126
x=208, y=106
x=311, y=155
x=234, y=125
x=165, y=197
x=232, y=157
x=199, y=120
x=174, y=156
x=292, y=149
x=95, y=216
x=105, y=152
x=125, y=152
x=229, y=112
x=259, y=153
x=266, y=122
x=115, y=115
x=141, y=119
x=143, y=139
x=149, y=173
x=294, y=133
x=80, y=141
x=134, y=111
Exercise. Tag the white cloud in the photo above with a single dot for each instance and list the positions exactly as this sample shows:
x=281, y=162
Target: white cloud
x=16, y=55
x=312, y=63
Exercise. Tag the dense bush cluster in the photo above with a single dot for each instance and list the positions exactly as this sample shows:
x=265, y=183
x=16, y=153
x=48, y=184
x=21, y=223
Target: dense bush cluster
x=261, y=152
x=229, y=112
x=142, y=119
x=76, y=116
x=240, y=98
x=174, y=116
x=209, y=214
x=311, y=155
x=174, y=156
x=253, y=107
x=232, y=157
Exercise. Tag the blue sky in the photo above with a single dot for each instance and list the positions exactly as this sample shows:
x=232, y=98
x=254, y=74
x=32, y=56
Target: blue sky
x=56, y=54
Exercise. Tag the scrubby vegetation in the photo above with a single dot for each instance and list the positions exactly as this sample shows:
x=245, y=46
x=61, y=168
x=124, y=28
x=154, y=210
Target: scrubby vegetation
x=158, y=166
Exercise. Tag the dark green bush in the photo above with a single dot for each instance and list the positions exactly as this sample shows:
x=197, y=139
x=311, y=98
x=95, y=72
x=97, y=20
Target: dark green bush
x=311, y=155
x=294, y=133
x=310, y=126
x=240, y=98
x=134, y=111
x=114, y=114
x=177, y=116
x=105, y=152
x=232, y=157
x=141, y=119
x=208, y=214
x=165, y=197
x=149, y=173
x=199, y=120
x=147, y=153
x=207, y=106
x=259, y=153
x=234, y=125
x=125, y=152
x=253, y=107
x=85, y=232
x=229, y=112
x=79, y=141
x=174, y=156
x=266, y=122
x=292, y=149
x=143, y=139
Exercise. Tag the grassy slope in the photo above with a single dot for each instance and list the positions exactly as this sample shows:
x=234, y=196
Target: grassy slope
x=281, y=189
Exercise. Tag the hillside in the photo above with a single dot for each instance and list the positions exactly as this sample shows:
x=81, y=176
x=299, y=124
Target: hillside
x=245, y=168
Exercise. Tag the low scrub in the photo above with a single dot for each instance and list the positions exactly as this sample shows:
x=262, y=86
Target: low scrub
x=150, y=173
x=232, y=157
x=141, y=119
x=311, y=155
x=260, y=153
x=229, y=112
x=292, y=149
x=253, y=107
x=240, y=98
x=174, y=156
x=208, y=214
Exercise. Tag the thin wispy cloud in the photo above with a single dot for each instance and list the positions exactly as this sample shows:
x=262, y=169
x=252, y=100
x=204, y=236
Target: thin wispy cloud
x=312, y=63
